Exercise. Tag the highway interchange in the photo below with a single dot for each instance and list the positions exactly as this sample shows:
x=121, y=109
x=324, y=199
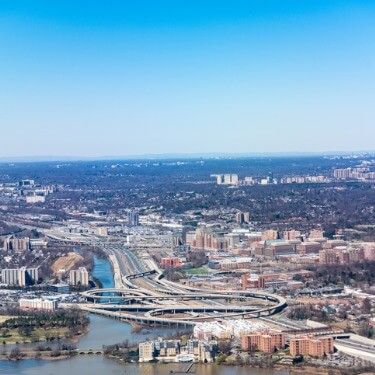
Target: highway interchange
x=144, y=296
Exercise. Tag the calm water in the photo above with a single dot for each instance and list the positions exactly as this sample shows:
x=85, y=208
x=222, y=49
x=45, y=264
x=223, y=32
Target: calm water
x=103, y=331
x=102, y=271
x=96, y=365
x=106, y=331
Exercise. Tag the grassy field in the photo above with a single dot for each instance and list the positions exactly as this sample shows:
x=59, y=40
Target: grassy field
x=12, y=336
x=198, y=271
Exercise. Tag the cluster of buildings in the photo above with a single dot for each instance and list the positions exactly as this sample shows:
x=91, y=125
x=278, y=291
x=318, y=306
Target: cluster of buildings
x=271, y=341
x=345, y=255
x=361, y=173
x=37, y=304
x=173, y=351
x=19, y=276
x=226, y=179
x=14, y=244
x=233, y=179
x=226, y=329
x=209, y=238
x=206, y=238
x=26, y=190
x=239, y=248
x=261, y=339
x=304, y=180
x=79, y=277
x=273, y=280
x=18, y=245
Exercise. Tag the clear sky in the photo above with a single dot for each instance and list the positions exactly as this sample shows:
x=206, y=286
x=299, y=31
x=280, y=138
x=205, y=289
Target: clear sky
x=100, y=78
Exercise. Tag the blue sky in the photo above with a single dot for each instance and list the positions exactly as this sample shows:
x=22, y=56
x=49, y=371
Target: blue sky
x=89, y=78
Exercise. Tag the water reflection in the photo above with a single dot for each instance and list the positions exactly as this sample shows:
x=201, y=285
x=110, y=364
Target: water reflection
x=96, y=365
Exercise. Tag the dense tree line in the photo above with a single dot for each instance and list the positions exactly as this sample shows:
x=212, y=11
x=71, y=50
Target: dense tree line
x=353, y=274
x=75, y=320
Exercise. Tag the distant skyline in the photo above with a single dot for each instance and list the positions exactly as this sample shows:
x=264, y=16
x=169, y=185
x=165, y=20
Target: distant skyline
x=120, y=78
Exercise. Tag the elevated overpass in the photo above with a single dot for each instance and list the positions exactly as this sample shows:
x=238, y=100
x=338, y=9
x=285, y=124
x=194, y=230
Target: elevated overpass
x=160, y=301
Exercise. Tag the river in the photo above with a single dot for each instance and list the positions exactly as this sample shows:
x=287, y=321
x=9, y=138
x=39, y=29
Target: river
x=105, y=331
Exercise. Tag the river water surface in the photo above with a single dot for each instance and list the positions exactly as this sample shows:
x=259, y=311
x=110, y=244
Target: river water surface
x=105, y=331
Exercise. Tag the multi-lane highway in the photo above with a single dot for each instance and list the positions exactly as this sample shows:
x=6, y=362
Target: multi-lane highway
x=144, y=296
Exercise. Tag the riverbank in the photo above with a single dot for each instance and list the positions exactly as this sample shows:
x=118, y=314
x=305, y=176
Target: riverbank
x=46, y=356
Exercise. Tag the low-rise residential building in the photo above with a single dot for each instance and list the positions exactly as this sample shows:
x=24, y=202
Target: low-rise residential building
x=172, y=351
x=311, y=346
x=170, y=262
x=266, y=342
x=146, y=351
x=37, y=304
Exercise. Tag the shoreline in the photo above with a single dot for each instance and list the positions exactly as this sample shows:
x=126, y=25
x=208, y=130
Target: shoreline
x=74, y=339
x=293, y=370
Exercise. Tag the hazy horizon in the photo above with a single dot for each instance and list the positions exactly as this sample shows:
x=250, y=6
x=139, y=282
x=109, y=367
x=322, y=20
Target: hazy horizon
x=166, y=156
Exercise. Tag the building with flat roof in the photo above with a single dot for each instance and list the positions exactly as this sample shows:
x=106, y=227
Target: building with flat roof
x=311, y=346
x=37, y=304
x=170, y=262
x=19, y=276
x=79, y=277
x=146, y=351
x=267, y=341
x=15, y=244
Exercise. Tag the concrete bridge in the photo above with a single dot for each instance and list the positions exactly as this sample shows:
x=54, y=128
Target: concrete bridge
x=128, y=304
x=166, y=299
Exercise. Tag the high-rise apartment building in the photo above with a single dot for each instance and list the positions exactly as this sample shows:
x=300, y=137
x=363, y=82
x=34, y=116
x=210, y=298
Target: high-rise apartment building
x=133, y=218
x=19, y=276
x=342, y=174
x=16, y=244
x=79, y=277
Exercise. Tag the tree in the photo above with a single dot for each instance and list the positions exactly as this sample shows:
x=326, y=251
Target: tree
x=221, y=358
x=16, y=354
x=25, y=330
x=225, y=347
x=366, y=330
x=366, y=306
